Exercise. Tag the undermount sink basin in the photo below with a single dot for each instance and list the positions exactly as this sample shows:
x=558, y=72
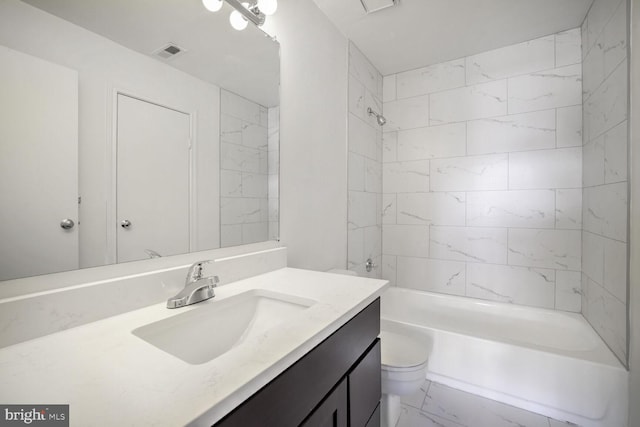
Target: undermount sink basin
x=210, y=330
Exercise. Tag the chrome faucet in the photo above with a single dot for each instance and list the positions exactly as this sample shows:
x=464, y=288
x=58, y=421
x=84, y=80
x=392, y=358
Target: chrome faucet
x=196, y=288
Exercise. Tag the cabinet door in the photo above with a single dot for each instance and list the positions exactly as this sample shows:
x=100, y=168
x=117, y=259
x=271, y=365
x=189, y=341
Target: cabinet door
x=365, y=387
x=332, y=412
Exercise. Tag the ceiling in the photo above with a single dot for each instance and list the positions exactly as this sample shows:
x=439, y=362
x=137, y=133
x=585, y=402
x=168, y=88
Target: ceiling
x=417, y=33
x=245, y=62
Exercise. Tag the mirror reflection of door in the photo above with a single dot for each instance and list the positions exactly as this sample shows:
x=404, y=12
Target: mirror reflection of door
x=38, y=166
x=152, y=179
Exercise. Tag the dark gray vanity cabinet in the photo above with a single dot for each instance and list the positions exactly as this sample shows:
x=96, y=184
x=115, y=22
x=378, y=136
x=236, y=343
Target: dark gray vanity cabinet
x=337, y=384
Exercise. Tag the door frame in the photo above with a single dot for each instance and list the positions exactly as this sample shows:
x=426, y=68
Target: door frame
x=111, y=167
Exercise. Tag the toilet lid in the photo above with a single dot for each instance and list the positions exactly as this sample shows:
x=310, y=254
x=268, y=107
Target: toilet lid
x=400, y=351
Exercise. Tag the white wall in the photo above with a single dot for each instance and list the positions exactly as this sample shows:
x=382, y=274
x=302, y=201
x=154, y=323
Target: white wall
x=482, y=175
x=104, y=66
x=313, y=135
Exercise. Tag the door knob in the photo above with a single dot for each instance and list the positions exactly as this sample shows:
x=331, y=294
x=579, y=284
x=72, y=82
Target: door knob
x=125, y=223
x=67, y=224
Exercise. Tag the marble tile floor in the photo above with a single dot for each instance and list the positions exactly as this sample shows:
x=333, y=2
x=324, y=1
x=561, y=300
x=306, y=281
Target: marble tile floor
x=436, y=405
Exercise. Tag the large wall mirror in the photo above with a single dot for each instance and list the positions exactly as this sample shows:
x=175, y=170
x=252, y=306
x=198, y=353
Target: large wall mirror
x=131, y=129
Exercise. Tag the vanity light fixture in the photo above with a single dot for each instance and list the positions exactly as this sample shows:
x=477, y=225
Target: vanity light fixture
x=254, y=11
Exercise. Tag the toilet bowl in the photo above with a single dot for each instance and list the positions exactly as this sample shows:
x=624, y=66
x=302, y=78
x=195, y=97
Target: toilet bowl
x=404, y=369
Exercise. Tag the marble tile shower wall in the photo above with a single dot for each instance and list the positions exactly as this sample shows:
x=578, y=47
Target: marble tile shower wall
x=244, y=171
x=273, y=154
x=482, y=175
x=364, y=166
x=605, y=200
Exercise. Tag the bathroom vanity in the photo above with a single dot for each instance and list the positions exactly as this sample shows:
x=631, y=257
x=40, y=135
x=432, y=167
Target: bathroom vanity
x=308, y=349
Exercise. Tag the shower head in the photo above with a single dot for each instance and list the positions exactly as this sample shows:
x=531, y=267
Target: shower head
x=379, y=117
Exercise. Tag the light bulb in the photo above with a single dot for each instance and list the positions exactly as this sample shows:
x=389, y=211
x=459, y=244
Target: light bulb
x=268, y=7
x=238, y=21
x=212, y=5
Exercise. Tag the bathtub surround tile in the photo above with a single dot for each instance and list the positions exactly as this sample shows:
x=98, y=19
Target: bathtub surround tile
x=469, y=244
x=255, y=136
x=363, y=70
x=362, y=138
x=434, y=78
x=469, y=103
x=515, y=285
x=230, y=129
x=517, y=59
x=605, y=210
x=607, y=107
x=569, y=126
x=558, y=87
x=355, y=248
x=255, y=232
x=362, y=209
x=239, y=158
x=525, y=208
x=614, y=39
x=407, y=113
x=241, y=108
x=568, y=291
x=389, y=147
x=230, y=235
x=593, y=154
x=372, y=176
x=389, y=91
x=593, y=70
x=473, y=173
x=356, y=98
x=559, y=249
x=431, y=208
x=593, y=256
x=355, y=172
x=406, y=240
x=615, y=154
x=389, y=268
x=432, y=142
x=518, y=132
x=568, y=47
x=607, y=315
x=615, y=268
x=230, y=183
x=569, y=209
x=431, y=275
x=255, y=185
x=598, y=17
x=236, y=210
x=401, y=177
x=373, y=102
x=372, y=242
x=560, y=168
x=389, y=209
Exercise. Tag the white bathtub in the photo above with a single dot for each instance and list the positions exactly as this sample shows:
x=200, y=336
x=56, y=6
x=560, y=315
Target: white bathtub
x=544, y=361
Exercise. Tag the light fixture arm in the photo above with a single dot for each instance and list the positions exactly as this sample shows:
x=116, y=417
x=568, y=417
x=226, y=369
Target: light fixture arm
x=252, y=14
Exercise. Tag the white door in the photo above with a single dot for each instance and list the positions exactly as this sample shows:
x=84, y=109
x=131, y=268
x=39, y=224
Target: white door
x=153, y=149
x=38, y=166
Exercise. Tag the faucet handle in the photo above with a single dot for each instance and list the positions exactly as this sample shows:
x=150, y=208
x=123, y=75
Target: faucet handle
x=195, y=271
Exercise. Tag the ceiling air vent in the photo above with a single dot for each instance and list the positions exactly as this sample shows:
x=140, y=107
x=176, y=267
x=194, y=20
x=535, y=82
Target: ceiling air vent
x=371, y=6
x=169, y=51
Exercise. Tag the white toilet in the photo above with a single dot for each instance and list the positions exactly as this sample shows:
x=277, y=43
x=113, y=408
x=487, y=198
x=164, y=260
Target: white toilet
x=404, y=369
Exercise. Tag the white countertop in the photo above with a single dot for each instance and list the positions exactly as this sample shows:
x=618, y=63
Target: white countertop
x=110, y=377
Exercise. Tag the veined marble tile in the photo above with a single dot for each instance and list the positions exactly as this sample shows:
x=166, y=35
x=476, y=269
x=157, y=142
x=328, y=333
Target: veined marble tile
x=593, y=155
x=255, y=185
x=568, y=291
x=471, y=410
x=431, y=275
x=560, y=168
x=524, y=208
x=362, y=209
x=473, y=173
x=615, y=268
x=362, y=138
x=264, y=211
x=569, y=126
x=559, y=249
x=608, y=317
x=239, y=107
x=230, y=129
x=412, y=417
x=363, y=70
x=239, y=210
x=469, y=103
x=373, y=242
x=432, y=142
x=355, y=247
x=230, y=183
x=274, y=186
x=521, y=58
x=569, y=209
x=584, y=32
x=230, y=235
x=255, y=232
x=356, y=97
x=605, y=210
x=255, y=136
x=373, y=102
x=518, y=132
x=405, y=177
x=559, y=87
x=373, y=176
x=607, y=107
x=405, y=240
x=431, y=208
x=599, y=14
x=568, y=47
x=516, y=285
x=593, y=69
x=469, y=244
x=434, y=78
x=389, y=147
x=355, y=169
x=389, y=208
x=593, y=256
x=407, y=113
x=389, y=91
x=389, y=268
x=274, y=210
x=239, y=158
x=616, y=154
x=417, y=399
x=614, y=38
